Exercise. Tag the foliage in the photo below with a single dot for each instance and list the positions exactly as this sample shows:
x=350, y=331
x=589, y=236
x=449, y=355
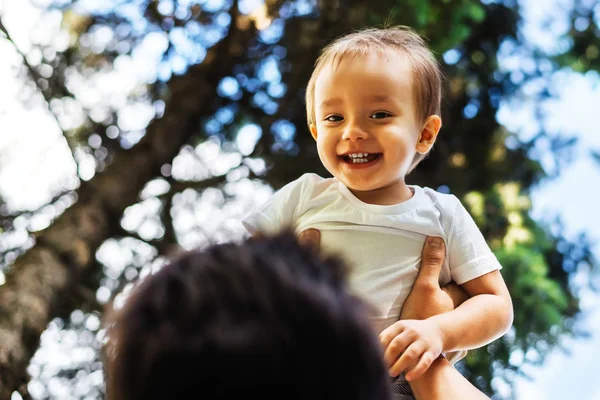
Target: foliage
x=255, y=128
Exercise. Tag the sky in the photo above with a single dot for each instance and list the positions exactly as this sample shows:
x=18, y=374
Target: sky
x=35, y=160
x=574, y=197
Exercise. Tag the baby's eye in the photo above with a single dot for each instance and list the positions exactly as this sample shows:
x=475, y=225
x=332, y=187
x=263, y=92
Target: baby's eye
x=334, y=118
x=381, y=115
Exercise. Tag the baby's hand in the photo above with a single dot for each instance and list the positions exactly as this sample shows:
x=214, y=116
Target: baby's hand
x=411, y=346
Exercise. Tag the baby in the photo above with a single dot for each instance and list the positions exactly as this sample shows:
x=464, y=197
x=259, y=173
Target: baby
x=373, y=108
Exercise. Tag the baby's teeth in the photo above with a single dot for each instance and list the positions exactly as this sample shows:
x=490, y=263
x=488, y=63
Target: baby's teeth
x=358, y=158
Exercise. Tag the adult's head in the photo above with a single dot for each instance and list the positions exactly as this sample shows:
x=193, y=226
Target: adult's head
x=265, y=317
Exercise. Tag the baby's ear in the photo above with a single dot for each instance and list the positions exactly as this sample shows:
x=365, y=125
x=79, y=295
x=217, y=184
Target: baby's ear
x=429, y=133
x=313, y=131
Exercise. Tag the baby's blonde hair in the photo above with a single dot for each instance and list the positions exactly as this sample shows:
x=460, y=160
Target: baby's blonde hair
x=426, y=71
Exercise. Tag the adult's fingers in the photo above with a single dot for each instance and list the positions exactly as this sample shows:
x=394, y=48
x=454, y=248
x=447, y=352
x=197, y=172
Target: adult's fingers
x=310, y=238
x=432, y=258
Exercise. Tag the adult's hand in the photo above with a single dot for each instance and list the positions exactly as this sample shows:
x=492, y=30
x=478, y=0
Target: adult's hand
x=427, y=298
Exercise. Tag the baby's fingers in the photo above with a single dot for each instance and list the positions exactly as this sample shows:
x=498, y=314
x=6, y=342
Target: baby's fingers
x=395, y=348
x=424, y=363
x=409, y=357
x=391, y=333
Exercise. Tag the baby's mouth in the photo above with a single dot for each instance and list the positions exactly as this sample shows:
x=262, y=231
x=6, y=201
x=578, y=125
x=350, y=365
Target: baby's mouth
x=360, y=158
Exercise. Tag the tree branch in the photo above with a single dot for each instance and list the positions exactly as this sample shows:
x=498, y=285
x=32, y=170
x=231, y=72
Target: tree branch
x=45, y=91
x=40, y=280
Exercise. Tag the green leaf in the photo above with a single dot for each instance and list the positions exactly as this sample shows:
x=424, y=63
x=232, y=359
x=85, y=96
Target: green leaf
x=476, y=12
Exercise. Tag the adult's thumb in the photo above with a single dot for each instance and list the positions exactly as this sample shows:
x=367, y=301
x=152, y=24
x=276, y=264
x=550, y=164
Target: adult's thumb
x=310, y=238
x=432, y=259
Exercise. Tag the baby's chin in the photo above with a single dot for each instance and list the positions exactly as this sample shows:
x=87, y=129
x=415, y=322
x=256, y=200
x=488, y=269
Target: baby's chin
x=359, y=187
x=356, y=185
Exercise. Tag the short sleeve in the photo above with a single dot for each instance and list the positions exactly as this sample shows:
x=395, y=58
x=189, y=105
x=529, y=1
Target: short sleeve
x=469, y=255
x=279, y=211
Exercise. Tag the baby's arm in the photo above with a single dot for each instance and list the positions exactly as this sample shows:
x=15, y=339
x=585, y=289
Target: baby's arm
x=412, y=345
x=427, y=299
x=486, y=316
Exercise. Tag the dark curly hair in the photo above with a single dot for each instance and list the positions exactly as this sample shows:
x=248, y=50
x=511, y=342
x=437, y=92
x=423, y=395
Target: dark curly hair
x=265, y=317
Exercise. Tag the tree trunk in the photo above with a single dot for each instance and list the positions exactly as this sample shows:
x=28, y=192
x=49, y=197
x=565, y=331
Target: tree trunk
x=39, y=281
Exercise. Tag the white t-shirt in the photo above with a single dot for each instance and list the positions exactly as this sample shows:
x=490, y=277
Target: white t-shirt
x=381, y=244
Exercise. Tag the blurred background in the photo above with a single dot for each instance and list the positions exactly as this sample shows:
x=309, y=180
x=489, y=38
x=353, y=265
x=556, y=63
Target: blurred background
x=130, y=130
